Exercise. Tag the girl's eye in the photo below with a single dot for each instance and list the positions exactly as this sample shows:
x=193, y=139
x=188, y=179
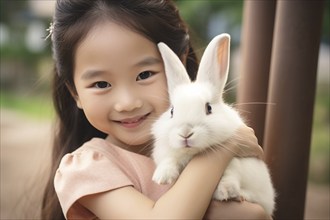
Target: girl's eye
x=102, y=85
x=144, y=75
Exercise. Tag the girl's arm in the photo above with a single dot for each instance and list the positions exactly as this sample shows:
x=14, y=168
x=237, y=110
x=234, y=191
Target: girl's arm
x=188, y=198
x=235, y=210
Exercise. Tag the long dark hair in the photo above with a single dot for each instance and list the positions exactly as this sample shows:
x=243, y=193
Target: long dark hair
x=158, y=20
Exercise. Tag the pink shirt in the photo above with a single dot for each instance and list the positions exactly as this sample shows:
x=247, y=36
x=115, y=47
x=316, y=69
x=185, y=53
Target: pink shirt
x=98, y=166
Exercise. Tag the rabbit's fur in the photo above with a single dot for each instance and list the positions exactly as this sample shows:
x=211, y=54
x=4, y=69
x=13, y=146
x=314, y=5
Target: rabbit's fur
x=199, y=120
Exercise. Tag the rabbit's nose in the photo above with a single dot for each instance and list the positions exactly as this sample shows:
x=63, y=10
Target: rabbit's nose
x=186, y=136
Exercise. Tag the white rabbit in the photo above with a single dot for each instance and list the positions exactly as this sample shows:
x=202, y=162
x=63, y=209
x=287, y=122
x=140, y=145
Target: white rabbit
x=199, y=120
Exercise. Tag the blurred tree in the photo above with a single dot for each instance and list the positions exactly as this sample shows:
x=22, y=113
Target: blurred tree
x=22, y=46
x=208, y=18
x=10, y=9
x=326, y=23
x=225, y=16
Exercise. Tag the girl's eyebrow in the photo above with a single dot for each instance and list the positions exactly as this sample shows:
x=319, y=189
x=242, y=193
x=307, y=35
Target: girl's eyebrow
x=89, y=74
x=148, y=61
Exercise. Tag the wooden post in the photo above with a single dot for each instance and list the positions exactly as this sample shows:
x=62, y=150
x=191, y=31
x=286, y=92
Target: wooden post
x=257, y=37
x=292, y=88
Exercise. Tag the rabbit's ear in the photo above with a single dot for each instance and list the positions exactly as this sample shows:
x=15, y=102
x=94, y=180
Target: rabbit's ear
x=214, y=65
x=175, y=71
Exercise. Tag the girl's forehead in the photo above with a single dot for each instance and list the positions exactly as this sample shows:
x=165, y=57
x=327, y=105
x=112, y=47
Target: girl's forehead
x=109, y=46
x=119, y=37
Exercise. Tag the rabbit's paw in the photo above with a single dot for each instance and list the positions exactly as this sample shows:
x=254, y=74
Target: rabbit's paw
x=165, y=174
x=227, y=191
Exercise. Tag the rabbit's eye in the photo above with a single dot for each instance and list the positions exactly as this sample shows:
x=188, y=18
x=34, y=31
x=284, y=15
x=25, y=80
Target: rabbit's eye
x=172, y=112
x=208, y=108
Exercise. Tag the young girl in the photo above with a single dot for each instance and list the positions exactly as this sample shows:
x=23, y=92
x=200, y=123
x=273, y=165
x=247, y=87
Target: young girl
x=109, y=87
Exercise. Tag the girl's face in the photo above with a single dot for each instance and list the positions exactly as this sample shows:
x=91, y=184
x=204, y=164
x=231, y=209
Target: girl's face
x=120, y=83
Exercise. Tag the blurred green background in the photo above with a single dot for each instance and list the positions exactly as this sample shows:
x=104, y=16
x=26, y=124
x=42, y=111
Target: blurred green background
x=26, y=62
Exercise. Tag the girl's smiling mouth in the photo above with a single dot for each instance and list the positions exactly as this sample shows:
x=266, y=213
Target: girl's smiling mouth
x=132, y=122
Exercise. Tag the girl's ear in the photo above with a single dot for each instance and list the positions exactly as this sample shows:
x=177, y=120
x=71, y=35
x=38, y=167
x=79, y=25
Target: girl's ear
x=78, y=102
x=74, y=95
x=175, y=71
x=214, y=65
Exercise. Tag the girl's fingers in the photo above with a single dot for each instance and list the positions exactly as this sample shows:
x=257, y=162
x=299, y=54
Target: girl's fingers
x=244, y=144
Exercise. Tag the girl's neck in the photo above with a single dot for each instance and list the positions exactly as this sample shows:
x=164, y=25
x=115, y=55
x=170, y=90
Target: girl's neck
x=143, y=149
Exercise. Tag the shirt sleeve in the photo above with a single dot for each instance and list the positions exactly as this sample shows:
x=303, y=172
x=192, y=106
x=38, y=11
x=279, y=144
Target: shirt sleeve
x=86, y=172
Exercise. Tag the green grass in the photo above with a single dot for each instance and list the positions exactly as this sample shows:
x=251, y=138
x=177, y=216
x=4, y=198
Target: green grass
x=319, y=170
x=33, y=106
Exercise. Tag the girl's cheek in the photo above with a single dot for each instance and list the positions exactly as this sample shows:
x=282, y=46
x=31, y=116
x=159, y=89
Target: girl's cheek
x=94, y=106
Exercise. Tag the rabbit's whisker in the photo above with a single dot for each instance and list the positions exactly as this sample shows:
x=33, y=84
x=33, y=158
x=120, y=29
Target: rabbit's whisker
x=253, y=103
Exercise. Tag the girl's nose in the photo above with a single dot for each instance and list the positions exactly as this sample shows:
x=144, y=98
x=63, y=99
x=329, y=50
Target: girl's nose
x=127, y=101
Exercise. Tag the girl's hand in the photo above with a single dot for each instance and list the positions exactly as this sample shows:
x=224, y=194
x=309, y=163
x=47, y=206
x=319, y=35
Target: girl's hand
x=244, y=144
